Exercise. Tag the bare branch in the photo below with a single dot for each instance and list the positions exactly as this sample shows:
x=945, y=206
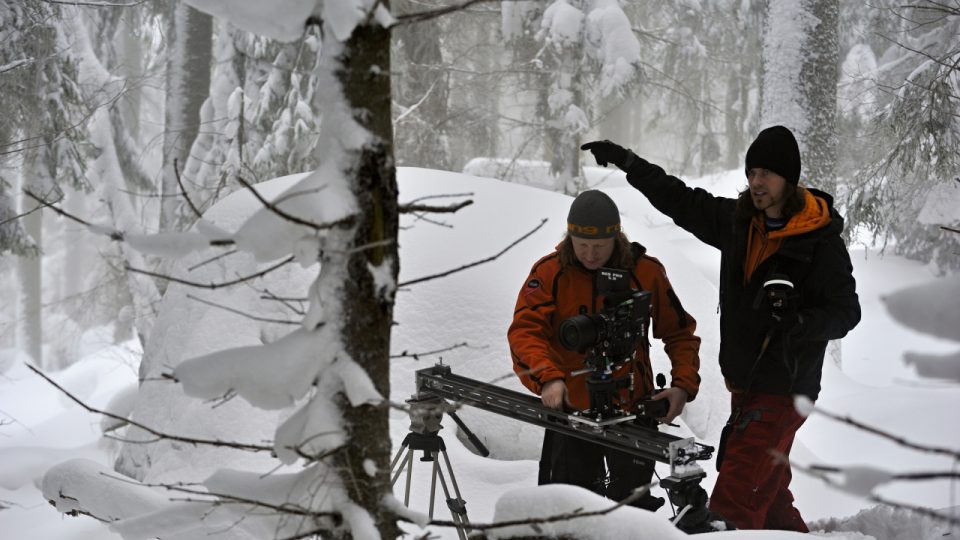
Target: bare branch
x=211, y=259
x=410, y=208
x=93, y=4
x=889, y=436
x=476, y=263
x=576, y=514
x=211, y=286
x=244, y=314
x=819, y=473
x=289, y=217
x=160, y=434
x=421, y=16
x=950, y=229
x=183, y=191
x=416, y=356
x=23, y=215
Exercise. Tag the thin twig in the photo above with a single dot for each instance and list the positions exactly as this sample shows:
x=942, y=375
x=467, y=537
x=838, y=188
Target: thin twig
x=421, y=16
x=238, y=312
x=93, y=4
x=416, y=356
x=889, y=436
x=211, y=259
x=183, y=190
x=916, y=509
x=189, y=440
x=568, y=516
x=950, y=229
x=476, y=263
x=410, y=208
x=211, y=286
x=114, y=235
x=23, y=215
x=290, y=217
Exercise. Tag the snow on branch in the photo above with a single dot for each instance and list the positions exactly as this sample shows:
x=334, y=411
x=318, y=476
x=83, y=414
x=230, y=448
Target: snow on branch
x=159, y=434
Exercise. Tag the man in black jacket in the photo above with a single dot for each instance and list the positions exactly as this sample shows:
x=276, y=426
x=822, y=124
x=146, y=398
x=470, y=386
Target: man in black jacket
x=786, y=289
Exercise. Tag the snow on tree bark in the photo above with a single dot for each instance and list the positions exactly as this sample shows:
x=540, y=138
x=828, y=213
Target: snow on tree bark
x=365, y=77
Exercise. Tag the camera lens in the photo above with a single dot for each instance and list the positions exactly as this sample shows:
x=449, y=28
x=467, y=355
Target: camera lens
x=578, y=332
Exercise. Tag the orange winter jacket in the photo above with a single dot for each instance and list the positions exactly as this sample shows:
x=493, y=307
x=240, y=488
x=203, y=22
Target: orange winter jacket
x=552, y=294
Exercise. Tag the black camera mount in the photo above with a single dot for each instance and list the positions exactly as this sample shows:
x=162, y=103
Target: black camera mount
x=438, y=384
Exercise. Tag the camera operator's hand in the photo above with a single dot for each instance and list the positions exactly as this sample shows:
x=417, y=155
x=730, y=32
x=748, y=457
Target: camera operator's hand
x=677, y=398
x=554, y=395
x=609, y=152
x=789, y=321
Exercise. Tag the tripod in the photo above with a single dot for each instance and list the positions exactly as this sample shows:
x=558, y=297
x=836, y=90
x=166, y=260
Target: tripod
x=425, y=415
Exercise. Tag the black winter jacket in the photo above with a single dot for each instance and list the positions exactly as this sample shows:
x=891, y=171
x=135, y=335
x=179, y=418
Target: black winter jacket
x=817, y=263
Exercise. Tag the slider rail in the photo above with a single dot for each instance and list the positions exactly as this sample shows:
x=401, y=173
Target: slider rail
x=627, y=436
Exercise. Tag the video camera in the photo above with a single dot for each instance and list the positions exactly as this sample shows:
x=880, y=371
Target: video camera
x=609, y=339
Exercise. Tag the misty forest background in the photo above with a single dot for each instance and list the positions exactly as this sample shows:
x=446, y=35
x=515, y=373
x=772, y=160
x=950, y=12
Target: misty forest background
x=139, y=117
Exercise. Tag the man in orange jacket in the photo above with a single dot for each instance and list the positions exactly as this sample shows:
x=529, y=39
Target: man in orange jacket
x=561, y=285
x=776, y=232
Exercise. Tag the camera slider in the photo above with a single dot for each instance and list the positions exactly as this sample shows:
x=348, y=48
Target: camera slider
x=681, y=454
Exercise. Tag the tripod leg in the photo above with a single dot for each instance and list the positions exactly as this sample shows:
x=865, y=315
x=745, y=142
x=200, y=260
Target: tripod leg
x=433, y=481
x=404, y=464
x=406, y=493
x=396, y=458
x=461, y=504
x=458, y=510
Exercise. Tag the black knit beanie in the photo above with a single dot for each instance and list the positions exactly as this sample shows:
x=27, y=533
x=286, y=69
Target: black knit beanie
x=593, y=214
x=775, y=148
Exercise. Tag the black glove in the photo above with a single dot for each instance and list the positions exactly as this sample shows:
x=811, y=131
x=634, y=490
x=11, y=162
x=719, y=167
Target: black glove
x=789, y=321
x=609, y=152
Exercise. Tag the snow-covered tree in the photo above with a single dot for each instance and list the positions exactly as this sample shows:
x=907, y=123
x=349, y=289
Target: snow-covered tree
x=573, y=35
x=913, y=131
x=800, y=48
x=40, y=124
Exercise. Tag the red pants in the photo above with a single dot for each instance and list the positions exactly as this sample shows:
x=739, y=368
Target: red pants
x=752, y=489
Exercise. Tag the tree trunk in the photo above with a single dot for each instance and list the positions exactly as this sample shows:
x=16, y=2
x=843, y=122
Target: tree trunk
x=189, y=55
x=800, y=81
x=365, y=77
x=819, y=79
x=30, y=269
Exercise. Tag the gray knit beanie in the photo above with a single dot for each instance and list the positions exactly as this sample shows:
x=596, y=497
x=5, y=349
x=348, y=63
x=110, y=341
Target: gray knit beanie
x=593, y=214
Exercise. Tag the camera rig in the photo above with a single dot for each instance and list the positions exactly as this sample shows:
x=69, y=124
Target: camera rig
x=437, y=387
x=609, y=339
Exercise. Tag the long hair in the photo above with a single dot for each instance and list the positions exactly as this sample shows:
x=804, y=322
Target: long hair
x=621, y=258
x=794, y=201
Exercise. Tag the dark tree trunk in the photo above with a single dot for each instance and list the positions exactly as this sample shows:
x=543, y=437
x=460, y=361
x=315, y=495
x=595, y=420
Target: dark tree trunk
x=365, y=77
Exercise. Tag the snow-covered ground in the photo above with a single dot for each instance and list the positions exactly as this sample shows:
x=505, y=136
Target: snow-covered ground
x=40, y=428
